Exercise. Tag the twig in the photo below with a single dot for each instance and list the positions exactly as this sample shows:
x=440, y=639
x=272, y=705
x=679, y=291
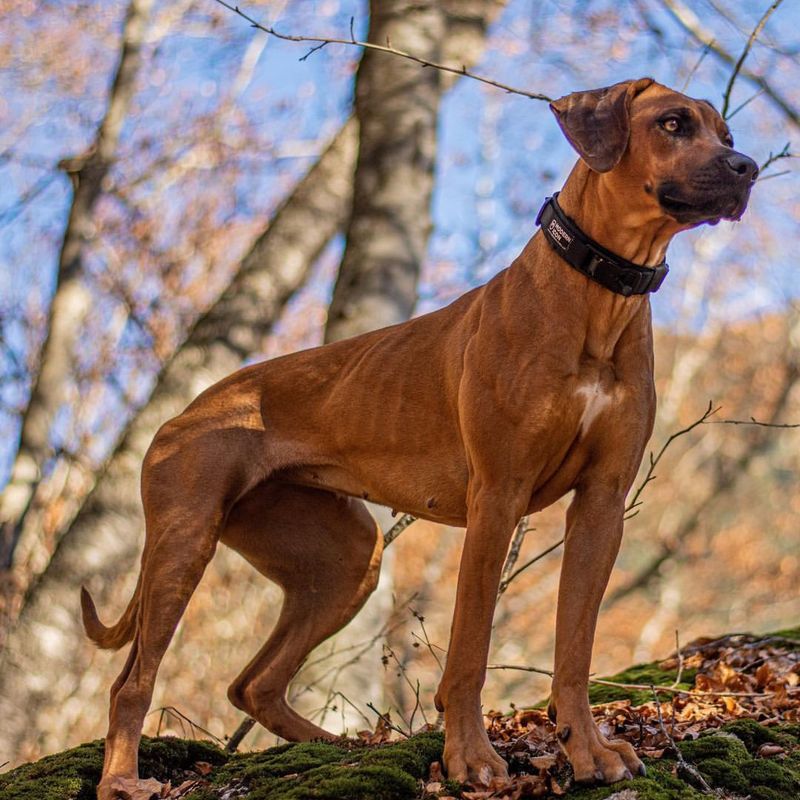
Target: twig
x=352, y=705
x=387, y=721
x=726, y=97
x=636, y=686
x=426, y=640
x=774, y=175
x=539, y=557
x=753, y=421
x=680, y=660
x=183, y=718
x=513, y=554
x=649, y=476
x=388, y=652
x=685, y=769
x=397, y=529
x=322, y=41
x=245, y=726
x=703, y=54
x=773, y=157
x=688, y=20
x=745, y=103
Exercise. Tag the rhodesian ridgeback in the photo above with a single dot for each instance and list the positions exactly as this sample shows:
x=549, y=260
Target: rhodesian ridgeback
x=537, y=384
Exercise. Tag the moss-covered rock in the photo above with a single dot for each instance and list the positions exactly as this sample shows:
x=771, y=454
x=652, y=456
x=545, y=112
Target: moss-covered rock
x=728, y=759
x=330, y=771
x=659, y=784
x=73, y=774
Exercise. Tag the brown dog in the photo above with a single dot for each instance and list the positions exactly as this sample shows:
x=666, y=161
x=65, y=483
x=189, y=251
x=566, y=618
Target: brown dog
x=535, y=385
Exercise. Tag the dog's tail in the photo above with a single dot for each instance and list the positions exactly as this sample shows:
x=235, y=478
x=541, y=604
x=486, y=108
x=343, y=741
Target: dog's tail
x=115, y=636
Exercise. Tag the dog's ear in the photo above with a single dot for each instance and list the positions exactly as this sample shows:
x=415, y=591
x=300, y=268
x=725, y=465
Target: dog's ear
x=597, y=123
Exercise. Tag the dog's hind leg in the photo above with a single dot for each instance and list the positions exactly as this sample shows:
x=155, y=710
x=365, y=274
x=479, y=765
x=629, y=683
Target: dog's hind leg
x=190, y=478
x=324, y=550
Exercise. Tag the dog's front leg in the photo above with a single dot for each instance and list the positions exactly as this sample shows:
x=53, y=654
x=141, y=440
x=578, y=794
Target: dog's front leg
x=594, y=533
x=468, y=753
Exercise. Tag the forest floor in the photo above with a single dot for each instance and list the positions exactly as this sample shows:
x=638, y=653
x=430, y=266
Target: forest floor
x=719, y=719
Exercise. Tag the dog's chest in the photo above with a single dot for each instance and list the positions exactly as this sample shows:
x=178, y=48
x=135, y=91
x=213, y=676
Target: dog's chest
x=595, y=396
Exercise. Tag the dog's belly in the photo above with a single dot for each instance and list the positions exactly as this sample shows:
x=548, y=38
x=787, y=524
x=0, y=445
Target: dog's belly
x=438, y=495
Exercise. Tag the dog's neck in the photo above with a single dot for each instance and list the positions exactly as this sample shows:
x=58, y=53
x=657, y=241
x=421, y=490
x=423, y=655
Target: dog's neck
x=640, y=235
x=598, y=208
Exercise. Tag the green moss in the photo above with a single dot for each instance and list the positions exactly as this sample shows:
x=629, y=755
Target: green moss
x=753, y=735
x=658, y=784
x=65, y=776
x=330, y=771
x=725, y=746
x=413, y=755
x=342, y=782
x=793, y=634
x=643, y=674
x=763, y=772
x=73, y=774
x=278, y=761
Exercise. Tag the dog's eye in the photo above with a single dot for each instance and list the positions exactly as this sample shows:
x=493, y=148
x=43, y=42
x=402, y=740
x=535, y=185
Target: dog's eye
x=727, y=140
x=671, y=124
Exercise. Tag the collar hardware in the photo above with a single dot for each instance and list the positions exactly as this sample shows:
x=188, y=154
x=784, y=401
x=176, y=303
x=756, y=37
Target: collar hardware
x=592, y=259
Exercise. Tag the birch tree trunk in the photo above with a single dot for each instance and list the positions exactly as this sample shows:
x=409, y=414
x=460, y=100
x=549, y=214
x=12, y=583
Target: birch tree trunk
x=105, y=538
x=397, y=107
x=72, y=299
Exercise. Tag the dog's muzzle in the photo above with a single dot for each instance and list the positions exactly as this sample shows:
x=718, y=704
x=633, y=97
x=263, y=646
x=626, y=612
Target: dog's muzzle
x=718, y=190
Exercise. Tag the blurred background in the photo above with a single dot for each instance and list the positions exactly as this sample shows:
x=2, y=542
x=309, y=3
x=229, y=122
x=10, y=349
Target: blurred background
x=181, y=194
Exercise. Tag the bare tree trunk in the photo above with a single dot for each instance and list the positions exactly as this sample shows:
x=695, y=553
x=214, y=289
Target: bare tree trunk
x=397, y=106
x=105, y=538
x=72, y=299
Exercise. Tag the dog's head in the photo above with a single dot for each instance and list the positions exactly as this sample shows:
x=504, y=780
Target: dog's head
x=668, y=152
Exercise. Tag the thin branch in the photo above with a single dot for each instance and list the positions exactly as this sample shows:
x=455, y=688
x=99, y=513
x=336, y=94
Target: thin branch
x=775, y=175
x=685, y=769
x=322, y=41
x=680, y=660
x=744, y=104
x=639, y=687
x=693, y=70
x=773, y=157
x=397, y=529
x=513, y=554
x=753, y=421
x=163, y=710
x=688, y=20
x=427, y=640
x=8, y=215
x=649, y=475
x=504, y=585
x=386, y=719
x=726, y=97
x=245, y=726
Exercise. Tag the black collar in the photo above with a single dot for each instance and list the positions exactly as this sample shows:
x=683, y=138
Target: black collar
x=585, y=255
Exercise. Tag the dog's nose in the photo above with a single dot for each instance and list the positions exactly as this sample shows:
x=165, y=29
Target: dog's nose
x=742, y=165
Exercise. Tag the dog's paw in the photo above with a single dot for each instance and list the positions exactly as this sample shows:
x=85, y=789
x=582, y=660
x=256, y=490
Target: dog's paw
x=473, y=760
x=595, y=759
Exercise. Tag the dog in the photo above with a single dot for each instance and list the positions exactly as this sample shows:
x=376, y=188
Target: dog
x=537, y=384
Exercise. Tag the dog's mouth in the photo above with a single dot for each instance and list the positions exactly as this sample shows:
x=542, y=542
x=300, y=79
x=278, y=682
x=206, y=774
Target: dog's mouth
x=690, y=209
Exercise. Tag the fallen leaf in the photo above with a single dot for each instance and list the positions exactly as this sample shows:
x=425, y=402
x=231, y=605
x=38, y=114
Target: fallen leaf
x=770, y=750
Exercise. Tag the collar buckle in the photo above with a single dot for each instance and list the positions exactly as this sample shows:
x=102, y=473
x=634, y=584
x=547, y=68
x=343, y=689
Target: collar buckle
x=587, y=256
